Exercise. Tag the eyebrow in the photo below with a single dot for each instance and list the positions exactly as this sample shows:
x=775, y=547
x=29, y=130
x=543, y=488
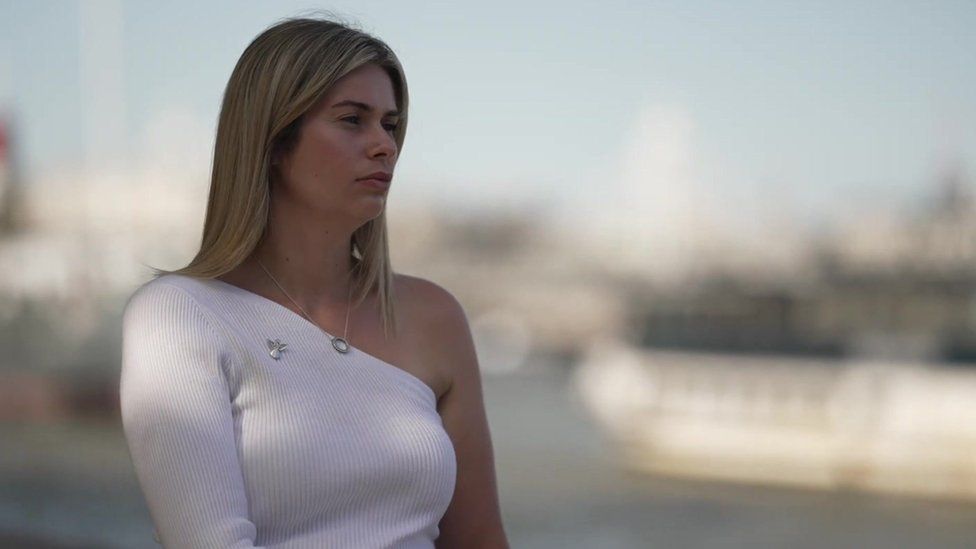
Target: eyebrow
x=363, y=106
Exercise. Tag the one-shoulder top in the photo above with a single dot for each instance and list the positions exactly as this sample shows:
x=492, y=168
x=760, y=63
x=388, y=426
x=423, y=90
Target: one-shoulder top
x=247, y=428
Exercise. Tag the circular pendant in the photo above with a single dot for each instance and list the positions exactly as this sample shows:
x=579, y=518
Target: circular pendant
x=340, y=345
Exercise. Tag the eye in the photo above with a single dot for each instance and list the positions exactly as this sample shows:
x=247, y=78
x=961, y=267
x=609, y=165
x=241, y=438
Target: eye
x=355, y=121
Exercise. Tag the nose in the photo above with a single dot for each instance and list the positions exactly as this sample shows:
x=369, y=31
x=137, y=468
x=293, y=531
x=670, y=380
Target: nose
x=383, y=145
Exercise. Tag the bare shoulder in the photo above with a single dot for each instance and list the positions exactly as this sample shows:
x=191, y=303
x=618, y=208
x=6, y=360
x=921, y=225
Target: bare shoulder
x=473, y=519
x=429, y=301
x=439, y=326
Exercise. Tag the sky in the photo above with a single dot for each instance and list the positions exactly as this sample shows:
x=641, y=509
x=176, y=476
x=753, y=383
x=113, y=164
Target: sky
x=606, y=110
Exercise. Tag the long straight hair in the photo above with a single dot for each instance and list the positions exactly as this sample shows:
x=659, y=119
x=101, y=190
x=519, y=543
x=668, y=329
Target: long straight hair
x=278, y=79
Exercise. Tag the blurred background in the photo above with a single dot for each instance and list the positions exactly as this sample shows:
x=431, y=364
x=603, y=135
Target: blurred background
x=719, y=258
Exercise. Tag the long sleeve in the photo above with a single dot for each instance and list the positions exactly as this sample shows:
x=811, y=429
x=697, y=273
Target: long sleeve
x=178, y=424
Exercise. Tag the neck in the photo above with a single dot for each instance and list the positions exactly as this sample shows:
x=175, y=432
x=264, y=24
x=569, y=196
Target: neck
x=314, y=266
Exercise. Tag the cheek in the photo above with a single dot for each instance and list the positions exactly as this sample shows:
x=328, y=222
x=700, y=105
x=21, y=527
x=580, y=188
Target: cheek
x=311, y=164
x=329, y=158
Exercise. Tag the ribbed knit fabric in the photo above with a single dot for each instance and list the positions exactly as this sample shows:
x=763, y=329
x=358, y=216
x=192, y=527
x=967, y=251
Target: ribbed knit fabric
x=233, y=448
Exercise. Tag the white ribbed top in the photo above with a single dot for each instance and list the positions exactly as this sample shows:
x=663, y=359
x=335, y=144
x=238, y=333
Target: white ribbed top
x=233, y=448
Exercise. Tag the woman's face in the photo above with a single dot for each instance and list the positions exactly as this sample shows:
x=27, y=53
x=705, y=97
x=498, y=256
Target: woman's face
x=346, y=137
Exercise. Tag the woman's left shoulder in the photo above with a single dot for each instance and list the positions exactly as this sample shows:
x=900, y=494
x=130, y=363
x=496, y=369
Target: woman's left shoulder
x=438, y=327
x=431, y=302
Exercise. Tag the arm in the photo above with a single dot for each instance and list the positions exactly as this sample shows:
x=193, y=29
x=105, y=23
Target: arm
x=473, y=519
x=176, y=415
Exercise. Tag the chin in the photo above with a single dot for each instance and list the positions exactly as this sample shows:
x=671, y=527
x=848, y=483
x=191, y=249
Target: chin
x=372, y=210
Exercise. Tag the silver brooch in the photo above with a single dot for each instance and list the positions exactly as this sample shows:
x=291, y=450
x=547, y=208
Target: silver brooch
x=276, y=347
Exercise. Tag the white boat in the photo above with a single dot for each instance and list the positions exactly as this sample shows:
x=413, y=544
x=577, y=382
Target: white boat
x=876, y=426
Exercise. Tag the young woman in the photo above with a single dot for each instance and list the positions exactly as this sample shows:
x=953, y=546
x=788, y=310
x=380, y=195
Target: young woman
x=287, y=388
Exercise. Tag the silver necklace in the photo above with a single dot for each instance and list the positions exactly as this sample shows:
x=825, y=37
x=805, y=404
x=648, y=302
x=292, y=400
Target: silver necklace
x=338, y=343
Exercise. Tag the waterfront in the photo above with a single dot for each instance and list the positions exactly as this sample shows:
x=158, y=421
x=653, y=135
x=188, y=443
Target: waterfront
x=73, y=484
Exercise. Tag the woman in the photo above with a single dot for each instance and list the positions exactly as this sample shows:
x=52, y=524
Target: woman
x=287, y=388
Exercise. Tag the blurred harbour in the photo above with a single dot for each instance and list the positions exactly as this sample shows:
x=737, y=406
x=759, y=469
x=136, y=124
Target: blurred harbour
x=71, y=485
x=607, y=382
x=733, y=307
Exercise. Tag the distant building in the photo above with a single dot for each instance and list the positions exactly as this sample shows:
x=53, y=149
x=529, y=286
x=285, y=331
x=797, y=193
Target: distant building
x=895, y=286
x=11, y=193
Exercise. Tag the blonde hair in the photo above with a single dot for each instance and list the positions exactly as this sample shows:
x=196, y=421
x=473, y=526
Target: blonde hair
x=280, y=76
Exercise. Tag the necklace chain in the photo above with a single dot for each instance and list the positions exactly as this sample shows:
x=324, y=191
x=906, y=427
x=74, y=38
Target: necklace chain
x=340, y=343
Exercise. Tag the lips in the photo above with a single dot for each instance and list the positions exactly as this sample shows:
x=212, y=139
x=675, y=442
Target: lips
x=377, y=180
x=378, y=184
x=380, y=176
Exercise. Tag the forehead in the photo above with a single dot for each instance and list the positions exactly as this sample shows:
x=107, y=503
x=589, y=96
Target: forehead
x=369, y=84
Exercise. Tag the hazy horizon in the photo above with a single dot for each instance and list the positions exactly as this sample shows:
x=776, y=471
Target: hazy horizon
x=622, y=111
